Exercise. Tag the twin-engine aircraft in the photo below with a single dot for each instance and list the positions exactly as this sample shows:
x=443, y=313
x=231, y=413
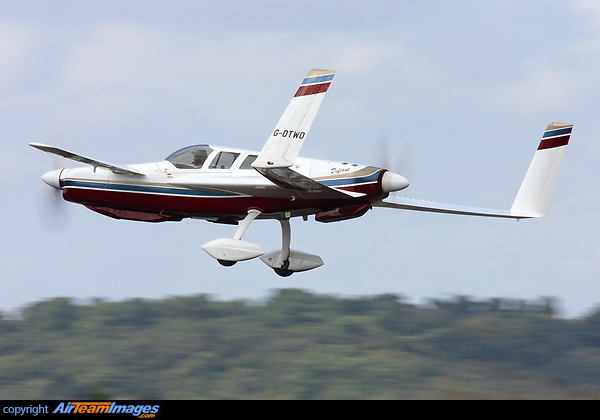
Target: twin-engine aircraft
x=232, y=186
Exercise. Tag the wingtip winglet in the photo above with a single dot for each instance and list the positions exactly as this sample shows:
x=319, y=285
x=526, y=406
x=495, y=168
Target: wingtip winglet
x=537, y=189
x=284, y=144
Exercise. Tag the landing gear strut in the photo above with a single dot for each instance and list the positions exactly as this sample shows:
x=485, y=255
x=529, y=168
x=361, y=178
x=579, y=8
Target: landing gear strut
x=286, y=261
x=286, y=239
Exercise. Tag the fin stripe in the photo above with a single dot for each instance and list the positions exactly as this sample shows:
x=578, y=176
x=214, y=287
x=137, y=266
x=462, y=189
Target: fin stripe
x=553, y=142
x=312, y=89
x=559, y=132
x=318, y=79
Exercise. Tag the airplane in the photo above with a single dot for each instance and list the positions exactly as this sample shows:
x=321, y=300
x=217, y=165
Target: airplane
x=234, y=186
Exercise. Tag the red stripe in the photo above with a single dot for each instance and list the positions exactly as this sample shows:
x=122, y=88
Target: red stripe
x=186, y=206
x=554, y=142
x=172, y=208
x=312, y=89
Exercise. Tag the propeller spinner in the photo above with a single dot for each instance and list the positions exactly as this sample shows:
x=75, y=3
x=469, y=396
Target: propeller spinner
x=52, y=178
x=391, y=182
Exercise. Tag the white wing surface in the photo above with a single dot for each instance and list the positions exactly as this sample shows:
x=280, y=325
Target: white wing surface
x=284, y=144
x=78, y=158
x=535, y=194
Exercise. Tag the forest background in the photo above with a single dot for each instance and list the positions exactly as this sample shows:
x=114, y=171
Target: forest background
x=298, y=345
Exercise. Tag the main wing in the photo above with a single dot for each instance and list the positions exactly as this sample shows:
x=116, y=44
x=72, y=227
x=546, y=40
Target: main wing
x=283, y=146
x=78, y=158
x=535, y=194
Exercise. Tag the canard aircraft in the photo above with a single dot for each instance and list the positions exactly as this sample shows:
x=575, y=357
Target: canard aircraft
x=233, y=186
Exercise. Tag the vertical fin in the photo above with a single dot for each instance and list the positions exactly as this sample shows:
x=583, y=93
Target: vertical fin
x=286, y=140
x=535, y=194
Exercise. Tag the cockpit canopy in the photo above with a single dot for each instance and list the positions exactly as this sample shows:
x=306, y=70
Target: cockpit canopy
x=191, y=157
x=199, y=156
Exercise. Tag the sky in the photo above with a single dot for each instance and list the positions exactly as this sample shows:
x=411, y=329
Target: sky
x=462, y=90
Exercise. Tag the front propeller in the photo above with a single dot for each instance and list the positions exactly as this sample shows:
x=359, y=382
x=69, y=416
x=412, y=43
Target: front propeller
x=391, y=180
x=54, y=213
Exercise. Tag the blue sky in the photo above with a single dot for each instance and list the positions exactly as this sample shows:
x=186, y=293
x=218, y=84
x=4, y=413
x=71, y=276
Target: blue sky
x=468, y=87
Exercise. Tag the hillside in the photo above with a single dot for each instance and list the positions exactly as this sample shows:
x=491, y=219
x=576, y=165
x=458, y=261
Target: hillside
x=298, y=345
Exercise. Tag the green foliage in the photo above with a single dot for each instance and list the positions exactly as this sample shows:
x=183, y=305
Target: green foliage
x=298, y=345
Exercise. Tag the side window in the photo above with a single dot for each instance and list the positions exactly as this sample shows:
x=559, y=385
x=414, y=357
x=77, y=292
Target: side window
x=224, y=160
x=247, y=163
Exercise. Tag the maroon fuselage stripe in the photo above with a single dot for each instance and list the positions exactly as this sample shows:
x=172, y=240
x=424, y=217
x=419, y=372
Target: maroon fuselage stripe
x=554, y=142
x=186, y=206
x=312, y=89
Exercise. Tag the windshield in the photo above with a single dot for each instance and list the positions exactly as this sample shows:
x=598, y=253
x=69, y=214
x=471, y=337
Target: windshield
x=192, y=157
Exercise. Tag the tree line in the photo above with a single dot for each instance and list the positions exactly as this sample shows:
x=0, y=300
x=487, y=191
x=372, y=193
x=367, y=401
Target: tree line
x=298, y=345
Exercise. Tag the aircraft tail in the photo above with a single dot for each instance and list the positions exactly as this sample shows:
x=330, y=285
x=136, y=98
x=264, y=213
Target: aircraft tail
x=535, y=194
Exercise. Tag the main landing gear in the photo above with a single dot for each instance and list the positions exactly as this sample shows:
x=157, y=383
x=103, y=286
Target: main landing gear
x=285, y=262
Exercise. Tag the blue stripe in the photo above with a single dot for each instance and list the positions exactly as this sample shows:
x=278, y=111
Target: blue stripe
x=318, y=79
x=559, y=132
x=146, y=189
x=82, y=184
x=352, y=181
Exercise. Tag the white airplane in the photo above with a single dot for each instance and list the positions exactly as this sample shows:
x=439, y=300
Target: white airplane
x=227, y=185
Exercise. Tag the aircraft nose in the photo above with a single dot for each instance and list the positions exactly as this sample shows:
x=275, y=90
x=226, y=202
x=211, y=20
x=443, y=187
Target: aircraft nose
x=52, y=178
x=393, y=182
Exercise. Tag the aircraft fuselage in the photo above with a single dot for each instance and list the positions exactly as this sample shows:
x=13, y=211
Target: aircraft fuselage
x=223, y=194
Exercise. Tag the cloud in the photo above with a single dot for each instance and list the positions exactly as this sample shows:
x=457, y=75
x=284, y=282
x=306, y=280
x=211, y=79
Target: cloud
x=590, y=9
x=19, y=43
x=541, y=91
x=220, y=75
x=140, y=57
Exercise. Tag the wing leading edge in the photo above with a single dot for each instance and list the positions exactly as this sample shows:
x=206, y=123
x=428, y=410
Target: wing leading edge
x=78, y=158
x=535, y=194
